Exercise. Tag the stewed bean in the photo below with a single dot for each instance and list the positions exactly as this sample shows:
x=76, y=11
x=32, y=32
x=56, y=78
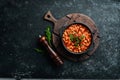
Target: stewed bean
x=80, y=39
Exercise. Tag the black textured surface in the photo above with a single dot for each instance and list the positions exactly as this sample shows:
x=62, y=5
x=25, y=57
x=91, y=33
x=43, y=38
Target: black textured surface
x=21, y=21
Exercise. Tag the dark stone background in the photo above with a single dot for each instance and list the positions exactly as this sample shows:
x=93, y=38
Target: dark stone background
x=21, y=21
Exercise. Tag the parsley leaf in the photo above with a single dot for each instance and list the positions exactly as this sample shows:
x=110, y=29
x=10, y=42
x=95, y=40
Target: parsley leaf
x=38, y=50
x=48, y=35
x=76, y=40
x=82, y=37
x=71, y=37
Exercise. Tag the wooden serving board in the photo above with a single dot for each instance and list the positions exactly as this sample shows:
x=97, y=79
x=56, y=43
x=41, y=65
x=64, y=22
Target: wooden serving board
x=67, y=20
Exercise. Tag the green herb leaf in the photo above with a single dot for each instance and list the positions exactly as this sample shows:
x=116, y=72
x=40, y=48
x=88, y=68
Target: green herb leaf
x=82, y=37
x=76, y=40
x=48, y=35
x=71, y=37
x=38, y=50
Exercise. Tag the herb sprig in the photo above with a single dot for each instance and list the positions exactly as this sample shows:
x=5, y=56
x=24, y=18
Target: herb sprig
x=38, y=50
x=76, y=39
x=48, y=35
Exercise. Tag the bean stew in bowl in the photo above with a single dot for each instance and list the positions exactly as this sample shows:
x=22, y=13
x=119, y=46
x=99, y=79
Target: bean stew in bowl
x=77, y=38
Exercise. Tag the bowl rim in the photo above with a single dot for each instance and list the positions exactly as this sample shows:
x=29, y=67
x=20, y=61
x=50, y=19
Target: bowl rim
x=76, y=53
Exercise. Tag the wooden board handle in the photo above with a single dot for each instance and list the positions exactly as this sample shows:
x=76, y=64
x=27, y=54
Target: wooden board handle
x=48, y=16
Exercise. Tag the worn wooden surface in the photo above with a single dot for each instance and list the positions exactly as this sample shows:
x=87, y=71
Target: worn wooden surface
x=67, y=20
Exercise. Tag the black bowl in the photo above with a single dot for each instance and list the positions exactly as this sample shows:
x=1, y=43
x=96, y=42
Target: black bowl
x=79, y=53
